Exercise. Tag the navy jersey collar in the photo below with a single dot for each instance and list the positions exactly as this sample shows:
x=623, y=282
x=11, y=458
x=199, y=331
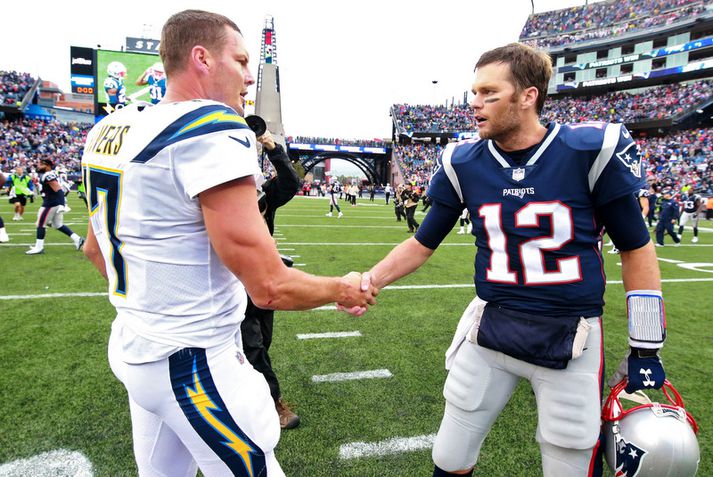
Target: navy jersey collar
x=506, y=162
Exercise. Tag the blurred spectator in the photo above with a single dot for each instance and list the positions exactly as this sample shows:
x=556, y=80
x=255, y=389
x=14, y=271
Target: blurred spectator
x=338, y=141
x=14, y=86
x=604, y=19
x=659, y=102
x=426, y=118
x=25, y=142
x=416, y=162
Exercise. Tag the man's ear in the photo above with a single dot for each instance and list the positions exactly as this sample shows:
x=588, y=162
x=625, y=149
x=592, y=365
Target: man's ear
x=528, y=97
x=200, y=59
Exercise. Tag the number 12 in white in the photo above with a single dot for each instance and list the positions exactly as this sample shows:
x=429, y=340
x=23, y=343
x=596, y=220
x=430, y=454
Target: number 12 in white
x=531, y=251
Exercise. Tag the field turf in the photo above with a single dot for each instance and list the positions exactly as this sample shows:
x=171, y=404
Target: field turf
x=58, y=391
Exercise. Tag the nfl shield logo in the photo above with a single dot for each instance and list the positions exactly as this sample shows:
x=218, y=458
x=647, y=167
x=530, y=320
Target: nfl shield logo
x=518, y=174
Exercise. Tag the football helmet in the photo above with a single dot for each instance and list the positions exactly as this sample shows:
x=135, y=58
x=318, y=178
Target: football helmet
x=116, y=69
x=651, y=439
x=157, y=71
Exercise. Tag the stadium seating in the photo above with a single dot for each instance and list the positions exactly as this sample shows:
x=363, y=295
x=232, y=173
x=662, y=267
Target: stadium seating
x=660, y=102
x=14, y=86
x=26, y=141
x=425, y=118
x=604, y=19
x=338, y=141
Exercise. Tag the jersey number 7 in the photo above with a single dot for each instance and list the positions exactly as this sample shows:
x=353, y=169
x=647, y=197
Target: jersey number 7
x=105, y=188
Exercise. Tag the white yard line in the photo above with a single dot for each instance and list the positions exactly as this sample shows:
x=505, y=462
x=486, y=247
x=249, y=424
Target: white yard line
x=332, y=307
x=334, y=334
x=668, y=260
x=336, y=377
x=52, y=295
x=56, y=463
x=397, y=445
x=328, y=307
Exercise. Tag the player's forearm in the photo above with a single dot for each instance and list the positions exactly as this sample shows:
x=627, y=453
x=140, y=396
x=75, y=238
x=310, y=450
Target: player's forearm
x=406, y=258
x=640, y=269
x=93, y=252
x=291, y=289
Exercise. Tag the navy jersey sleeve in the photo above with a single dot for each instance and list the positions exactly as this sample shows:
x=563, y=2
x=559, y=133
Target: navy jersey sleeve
x=617, y=169
x=440, y=189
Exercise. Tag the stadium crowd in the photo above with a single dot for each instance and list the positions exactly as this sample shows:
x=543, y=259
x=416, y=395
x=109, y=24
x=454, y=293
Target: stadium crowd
x=338, y=141
x=659, y=102
x=676, y=159
x=604, y=19
x=14, y=86
x=426, y=118
x=25, y=142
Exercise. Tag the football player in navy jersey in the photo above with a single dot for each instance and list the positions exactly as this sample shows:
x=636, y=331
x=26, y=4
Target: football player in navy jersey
x=538, y=197
x=691, y=205
x=52, y=211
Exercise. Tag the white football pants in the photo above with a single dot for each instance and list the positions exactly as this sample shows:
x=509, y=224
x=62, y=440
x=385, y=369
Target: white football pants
x=481, y=382
x=204, y=407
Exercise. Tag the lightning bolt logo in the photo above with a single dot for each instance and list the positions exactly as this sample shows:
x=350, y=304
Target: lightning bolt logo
x=204, y=405
x=224, y=116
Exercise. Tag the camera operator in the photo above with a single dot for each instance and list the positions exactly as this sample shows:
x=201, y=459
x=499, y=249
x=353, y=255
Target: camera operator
x=256, y=328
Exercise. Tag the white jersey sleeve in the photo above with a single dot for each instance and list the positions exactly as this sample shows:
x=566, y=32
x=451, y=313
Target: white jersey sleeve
x=215, y=159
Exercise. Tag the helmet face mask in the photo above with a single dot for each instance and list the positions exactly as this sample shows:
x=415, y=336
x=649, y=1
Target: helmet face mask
x=651, y=439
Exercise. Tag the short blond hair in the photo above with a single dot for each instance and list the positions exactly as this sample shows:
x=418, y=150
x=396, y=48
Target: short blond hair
x=189, y=28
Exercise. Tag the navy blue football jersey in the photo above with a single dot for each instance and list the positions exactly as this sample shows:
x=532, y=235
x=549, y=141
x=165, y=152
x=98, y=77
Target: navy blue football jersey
x=534, y=222
x=691, y=203
x=50, y=198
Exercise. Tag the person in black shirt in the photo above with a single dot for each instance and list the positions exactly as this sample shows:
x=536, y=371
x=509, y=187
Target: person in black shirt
x=256, y=328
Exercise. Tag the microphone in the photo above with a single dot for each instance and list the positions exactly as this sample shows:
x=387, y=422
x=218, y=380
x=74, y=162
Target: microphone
x=256, y=124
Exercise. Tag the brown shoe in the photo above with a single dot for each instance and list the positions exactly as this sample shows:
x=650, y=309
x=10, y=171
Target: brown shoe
x=288, y=419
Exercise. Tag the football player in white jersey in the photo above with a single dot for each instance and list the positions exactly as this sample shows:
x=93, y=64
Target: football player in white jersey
x=538, y=197
x=176, y=230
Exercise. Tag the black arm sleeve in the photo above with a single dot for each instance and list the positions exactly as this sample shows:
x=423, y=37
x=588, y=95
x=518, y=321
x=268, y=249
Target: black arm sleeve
x=437, y=224
x=283, y=187
x=623, y=222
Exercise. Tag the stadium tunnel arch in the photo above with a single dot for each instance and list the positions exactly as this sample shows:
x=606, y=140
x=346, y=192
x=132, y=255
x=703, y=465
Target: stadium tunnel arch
x=366, y=165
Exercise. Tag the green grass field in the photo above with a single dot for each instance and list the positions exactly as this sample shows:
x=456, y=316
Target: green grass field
x=58, y=391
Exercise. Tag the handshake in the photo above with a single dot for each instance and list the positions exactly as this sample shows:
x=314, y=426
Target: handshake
x=359, y=294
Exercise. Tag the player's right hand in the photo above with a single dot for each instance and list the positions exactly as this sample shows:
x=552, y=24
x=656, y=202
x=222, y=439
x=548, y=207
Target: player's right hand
x=361, y=294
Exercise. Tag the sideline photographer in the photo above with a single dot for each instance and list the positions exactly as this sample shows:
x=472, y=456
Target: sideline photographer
x=256, y=328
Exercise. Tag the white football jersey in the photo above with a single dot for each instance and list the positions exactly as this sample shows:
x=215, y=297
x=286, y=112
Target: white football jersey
x=144, y=167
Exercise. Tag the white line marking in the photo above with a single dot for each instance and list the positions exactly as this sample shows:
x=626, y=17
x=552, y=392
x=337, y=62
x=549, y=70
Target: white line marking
x=340, y=226
x=668, y=260
x=422, y=287
x=284, y=249
x=396, y=445
x=328, y=307
x=332, y=307
x=296, y=256
x=51, y=295
x=56, y=463
x=30, y=244
x=352, y=244
x=336, y=334
x=299, y=264
x=335, y=377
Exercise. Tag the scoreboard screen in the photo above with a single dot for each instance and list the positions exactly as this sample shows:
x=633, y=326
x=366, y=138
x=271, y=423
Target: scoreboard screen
x=133, y=65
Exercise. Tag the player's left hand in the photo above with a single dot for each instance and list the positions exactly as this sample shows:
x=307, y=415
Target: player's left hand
x=646, y=370
x=267, y=141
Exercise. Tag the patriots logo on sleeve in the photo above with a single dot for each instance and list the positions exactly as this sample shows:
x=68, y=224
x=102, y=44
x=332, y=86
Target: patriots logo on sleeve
x=630, y=158
x=628, y=459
